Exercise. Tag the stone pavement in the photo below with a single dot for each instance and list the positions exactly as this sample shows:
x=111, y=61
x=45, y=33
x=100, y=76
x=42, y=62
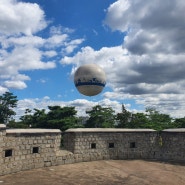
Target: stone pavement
x=110, y=172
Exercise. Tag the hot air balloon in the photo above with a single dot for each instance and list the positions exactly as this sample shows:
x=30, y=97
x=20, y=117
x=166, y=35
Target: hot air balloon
x=90, y=79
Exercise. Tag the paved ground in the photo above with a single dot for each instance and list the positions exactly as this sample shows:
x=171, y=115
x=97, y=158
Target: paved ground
x=119, y=172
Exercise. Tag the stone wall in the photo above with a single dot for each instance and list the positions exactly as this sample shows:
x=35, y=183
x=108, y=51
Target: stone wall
x=112, y=143
x=173, y=145
x=96, y=144
x=24, y=149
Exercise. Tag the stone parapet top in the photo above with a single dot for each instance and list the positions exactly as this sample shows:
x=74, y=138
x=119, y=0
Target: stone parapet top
x=31, y=131
x=2, y=126
x=174, y=130
x=108, y=130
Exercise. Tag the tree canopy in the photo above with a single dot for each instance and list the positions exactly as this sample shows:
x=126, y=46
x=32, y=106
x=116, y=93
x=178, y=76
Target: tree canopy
x=151, y=119
x=98, y=117
x=56, y=118
x=7, y=102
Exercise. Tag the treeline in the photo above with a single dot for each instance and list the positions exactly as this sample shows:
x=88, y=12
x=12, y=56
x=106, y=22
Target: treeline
x=98, y=117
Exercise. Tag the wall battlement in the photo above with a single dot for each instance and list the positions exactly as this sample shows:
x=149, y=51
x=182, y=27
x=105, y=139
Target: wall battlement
x=24, y=149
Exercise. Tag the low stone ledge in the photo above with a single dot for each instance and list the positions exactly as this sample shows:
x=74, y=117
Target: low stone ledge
x=117, y=130
x=32, y=131
x=2, y=126
x=174, y=130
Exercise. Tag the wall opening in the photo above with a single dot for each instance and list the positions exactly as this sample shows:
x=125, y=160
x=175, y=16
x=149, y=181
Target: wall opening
x=111, y=145
x=35, y=150
x=133, y=145
x=93, y=145
x=8, y=153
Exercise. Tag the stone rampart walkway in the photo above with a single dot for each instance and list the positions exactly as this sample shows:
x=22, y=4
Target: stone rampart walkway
x=118, y=172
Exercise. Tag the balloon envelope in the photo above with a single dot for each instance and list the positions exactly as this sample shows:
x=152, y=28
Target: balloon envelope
x=90, y=79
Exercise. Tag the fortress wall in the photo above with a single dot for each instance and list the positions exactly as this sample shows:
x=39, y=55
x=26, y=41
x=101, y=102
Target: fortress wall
x=2, y=143
x=97, y=144
x=111, y=143
x=24, y=149
x=173, y=144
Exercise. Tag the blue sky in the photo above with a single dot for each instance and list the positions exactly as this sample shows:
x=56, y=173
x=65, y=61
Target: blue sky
x=139, y=44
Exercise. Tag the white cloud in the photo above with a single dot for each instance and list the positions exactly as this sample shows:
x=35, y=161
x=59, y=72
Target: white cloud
x=21, y=59
x=42, y=80
x=56, y=40
x=72, y=45
x=19, y=17
x=155, y=44
x=152, y=26
x=15, y=84
x=57, y=30
x=3, y=90
x=13, y=41
x=22, y=49
x=50, y=53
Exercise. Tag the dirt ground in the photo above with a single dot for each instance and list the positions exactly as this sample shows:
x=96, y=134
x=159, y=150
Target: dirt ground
x=111, y=172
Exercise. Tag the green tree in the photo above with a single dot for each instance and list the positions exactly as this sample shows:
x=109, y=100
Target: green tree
x=62, y=118
x=179, y=123
x=157, y=120
x=17, y=124
x=152, y=119
x=100, y=117
x=26, y=119
x=7, y=102
x=57, y=118
x=38, y=119
x=138, y=120
x=124, y=118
